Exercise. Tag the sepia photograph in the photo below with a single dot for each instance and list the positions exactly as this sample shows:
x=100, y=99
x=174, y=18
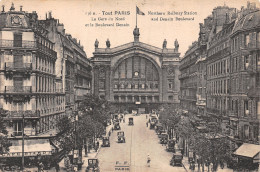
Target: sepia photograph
x=129, y=86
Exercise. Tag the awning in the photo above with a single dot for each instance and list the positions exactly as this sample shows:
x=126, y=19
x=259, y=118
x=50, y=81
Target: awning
x=248, y=150
x=31, y=148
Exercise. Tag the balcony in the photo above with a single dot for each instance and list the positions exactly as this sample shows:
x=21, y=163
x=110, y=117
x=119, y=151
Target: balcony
x=254, y=46
x=28, y=114
x=254, y=92
x=214, y=111
x=26, y=44
x=83, y=73
x=18, y=89
x=10, y=66
x=17, y=44
x=45, y=49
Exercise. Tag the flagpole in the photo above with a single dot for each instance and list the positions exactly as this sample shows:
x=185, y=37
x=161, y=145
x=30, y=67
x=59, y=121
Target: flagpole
x=136, y=16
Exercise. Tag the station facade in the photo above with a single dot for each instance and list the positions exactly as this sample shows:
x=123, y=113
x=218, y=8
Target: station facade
x=136, y=76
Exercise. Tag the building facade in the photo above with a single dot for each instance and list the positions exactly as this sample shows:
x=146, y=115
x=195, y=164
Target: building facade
x=227, y=53
x=136, y=76
x=27, y=74
x=43, y=75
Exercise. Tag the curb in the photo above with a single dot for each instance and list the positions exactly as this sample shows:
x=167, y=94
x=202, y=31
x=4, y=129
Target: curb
x=184, y=167
x=97, y=152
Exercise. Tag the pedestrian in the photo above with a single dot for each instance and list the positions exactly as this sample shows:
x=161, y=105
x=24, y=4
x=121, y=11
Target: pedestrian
x=98, y=144
x=40, y=167
x=192, y=166
x=57, y=167
x=75, y=168
x=148, y=160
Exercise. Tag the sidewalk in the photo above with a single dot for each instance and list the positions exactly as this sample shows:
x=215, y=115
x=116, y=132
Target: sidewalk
x=186, y=166
x=91, y=154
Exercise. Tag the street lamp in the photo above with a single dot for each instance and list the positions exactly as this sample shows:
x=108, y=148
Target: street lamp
x=23, y=144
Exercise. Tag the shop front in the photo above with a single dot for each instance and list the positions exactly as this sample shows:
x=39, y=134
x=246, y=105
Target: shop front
x=248, y=156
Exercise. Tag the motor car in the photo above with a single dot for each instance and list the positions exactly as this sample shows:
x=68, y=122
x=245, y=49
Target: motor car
x=153, y=121
x=121, y=137
x=170, y=145
x=162, y=132
x=176, y=159
x=164, y=138
x=93, y=165
x=158, y=128
x=117, y=126
x=130, y=121
x=105, y=141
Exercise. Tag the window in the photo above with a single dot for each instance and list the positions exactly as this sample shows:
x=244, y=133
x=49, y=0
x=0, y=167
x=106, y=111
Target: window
x=246, y=62
x=143, y=86
x=102, y=84
x=170, y=86
x=246, y=109
x=116, y=86
x=17, y=128
x=247, y=39
x=246, y=131
x=18, y=39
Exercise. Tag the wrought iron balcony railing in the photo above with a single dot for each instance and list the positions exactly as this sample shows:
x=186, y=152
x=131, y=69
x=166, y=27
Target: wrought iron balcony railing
x=26, y=113
x=26, y=44
x=22, y=66
x=22, y=44
x=18, y=89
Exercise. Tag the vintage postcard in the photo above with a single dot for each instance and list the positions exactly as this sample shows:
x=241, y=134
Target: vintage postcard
x=130, y=85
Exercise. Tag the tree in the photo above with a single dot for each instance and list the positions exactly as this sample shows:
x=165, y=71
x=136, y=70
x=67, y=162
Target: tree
x=169, y=115
x=65, y=138
x=93, y=115
x=99, y=109
x=4, y=143
x=212, y=147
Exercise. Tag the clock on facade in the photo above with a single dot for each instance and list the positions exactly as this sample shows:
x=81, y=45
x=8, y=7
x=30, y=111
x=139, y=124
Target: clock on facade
x=136, y=74
x=16, y=20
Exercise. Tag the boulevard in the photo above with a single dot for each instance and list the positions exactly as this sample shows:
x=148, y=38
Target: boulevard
x=140, y=141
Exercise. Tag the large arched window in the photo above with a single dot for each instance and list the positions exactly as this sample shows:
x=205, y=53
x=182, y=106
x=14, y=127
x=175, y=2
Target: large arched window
x=136, y=73
x=137, y=68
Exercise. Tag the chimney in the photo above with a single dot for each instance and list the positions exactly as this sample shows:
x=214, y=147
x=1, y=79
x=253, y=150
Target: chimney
x=46, y=16
x=60, y=27
x=3, y=7
x=21, y=8
x=79, y=42
x=50, y=15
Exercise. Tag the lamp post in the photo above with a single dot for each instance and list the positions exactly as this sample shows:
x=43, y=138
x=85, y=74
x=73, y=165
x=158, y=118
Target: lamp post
x=23, y=144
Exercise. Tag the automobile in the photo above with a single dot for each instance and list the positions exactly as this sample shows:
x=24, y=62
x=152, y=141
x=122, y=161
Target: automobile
x=164, y=138
x=121, y=137
x=117, y=126
x=162, y=132
x=105, y=141
x=158, y=128
x=176, y=159
x=131, y=121
x=93, y=165
x=153, y=121
x=170, y=145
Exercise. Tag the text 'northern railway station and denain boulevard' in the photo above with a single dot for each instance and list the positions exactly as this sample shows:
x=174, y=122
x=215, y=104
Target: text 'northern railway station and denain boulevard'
x=134, y=107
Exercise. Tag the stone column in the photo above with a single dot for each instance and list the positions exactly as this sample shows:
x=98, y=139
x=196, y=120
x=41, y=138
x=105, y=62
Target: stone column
x=107, y=82
x=164, y=84
x=95, y=86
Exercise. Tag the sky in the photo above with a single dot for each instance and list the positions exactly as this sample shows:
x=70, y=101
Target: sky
x=75, y=15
